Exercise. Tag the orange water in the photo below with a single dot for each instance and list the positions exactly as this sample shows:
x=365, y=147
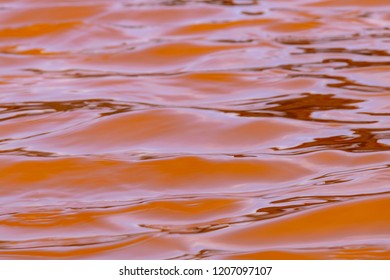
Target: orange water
x=195, y=129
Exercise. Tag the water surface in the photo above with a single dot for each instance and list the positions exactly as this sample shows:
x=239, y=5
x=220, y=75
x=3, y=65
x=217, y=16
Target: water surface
x=194, y=129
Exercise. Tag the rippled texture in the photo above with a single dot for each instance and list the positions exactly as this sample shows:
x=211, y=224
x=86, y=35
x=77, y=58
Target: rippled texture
x=195, y=129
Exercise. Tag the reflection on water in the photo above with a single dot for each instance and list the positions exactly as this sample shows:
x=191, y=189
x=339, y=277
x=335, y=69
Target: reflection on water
x=195, y=129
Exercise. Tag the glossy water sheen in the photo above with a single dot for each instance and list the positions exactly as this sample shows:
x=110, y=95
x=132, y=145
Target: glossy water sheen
x=195, y=129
